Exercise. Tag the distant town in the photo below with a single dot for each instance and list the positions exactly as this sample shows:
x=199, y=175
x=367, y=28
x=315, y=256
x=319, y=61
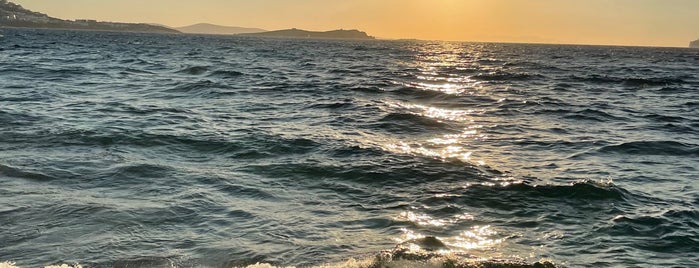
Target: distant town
x=13, y=15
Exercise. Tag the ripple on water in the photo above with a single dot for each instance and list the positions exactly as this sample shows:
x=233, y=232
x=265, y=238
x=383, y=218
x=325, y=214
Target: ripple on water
x=194, y=70
x=672, y=148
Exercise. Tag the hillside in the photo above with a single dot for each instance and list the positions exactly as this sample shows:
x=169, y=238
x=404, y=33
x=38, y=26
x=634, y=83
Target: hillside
x=205, y=28
x=13, y=15
x=297, y=33
x=694, y=44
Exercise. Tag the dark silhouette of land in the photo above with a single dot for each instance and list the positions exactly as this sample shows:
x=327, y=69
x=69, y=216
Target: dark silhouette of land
x=206, y=28
x=694, y=44
x=14, y=15
x=297, y=33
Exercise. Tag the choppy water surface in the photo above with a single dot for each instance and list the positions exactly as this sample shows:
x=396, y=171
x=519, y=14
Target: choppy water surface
x=159, y=150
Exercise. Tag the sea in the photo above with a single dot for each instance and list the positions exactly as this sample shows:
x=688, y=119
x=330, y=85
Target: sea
x=157, y=150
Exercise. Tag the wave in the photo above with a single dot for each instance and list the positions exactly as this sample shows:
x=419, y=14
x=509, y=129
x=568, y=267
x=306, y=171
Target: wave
x=225, y=74
x=591, y=114
x=143, y=171
x=581, y=190
x=9, y=264
x=401, y=257
x=14, y=172
x=367, y=89
x=194, y=70
x=396, y=258
x=130, y=71
x=17, y=119
x=666, y=118
x=405, y=258
x=119, y=107
x=135, y=61
x=239, y=191
x=410, y=123
x=630, y=82
x=420, y=93
x=653, y=148
x=673, y=231
x=692, y=103
x=197, y=87
x=410, y=173
x=506, y=76
x=250, y=145
x=333, y=106
x=651, y=82
x=677, y=128
x=675, y=90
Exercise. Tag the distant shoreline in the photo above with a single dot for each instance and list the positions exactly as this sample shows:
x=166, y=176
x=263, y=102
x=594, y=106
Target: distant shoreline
x=377, y=39
x=89, y=30
x=193, y=34
x=303, y=34
x=14, y=15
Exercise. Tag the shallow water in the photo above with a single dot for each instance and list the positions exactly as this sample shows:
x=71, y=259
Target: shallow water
x=181, y=150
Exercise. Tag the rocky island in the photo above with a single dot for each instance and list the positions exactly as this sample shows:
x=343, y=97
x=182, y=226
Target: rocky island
x=694, y=44
x=297, y=33
x=14, y=15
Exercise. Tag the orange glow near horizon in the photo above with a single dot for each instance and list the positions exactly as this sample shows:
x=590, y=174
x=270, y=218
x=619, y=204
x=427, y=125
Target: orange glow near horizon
x=619, y=22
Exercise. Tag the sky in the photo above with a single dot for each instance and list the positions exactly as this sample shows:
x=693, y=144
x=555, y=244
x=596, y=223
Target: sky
x=608, y=22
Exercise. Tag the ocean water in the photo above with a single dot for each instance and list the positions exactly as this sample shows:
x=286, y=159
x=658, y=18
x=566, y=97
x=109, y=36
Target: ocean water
x=138, y=150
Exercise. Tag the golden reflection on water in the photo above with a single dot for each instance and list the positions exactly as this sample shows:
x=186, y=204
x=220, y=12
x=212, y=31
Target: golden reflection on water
x=449, y=146
x=482, y=240
x=421, y=219
x=445, y=147
x=459, y=146
x=434, y=112
x=430, y=62
x=426, y=220
x=445, y=153
x=465, y=235
x=432, y=59
x=478, y=237
x=474, y=239
x=448, y=88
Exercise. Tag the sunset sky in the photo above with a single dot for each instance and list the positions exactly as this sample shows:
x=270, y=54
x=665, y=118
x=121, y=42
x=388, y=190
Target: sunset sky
x=619, y=22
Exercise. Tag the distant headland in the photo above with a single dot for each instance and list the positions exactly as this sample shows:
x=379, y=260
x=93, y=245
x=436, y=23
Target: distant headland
x=297, y=33
x=206, y=28
x=14, y=15
x=694, y=44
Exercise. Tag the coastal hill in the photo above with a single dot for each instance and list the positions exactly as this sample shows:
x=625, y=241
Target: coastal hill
x=694, y=44
x=14, y=15
x=296, y=33
x=206, y=28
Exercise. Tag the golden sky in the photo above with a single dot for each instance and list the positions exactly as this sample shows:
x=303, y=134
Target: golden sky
x=618, y=22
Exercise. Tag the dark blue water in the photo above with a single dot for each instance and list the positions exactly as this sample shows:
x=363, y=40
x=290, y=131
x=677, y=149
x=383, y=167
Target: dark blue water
x=136, y=150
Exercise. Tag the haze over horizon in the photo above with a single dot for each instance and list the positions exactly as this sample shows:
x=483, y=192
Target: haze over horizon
x=604, y=22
